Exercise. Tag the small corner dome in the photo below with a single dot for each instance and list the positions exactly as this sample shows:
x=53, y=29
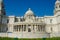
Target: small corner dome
x=29, y=12
x=58, y=1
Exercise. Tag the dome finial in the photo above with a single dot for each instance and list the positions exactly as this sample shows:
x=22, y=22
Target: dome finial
x=29, y=8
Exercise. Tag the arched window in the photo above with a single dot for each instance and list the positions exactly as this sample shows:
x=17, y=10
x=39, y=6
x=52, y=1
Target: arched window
x=16, y=19
x=50, y=20
x=7, y=20
x=59, y=6
x=56, y=7
x=29, y=30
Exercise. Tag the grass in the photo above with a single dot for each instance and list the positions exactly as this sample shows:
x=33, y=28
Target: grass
x=6, y=38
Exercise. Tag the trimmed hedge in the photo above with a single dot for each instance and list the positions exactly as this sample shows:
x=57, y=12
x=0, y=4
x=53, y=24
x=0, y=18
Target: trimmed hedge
x=6, y=38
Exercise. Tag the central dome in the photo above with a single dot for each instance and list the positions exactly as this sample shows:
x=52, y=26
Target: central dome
x=29, y=12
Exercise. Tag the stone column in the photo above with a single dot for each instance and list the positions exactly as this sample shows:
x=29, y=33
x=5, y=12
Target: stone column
x=14, y=28
x=40, y=28
x=18, y=28
x=31, y=28
x=35, y=28
x=26, y=28
x=22, y=28
x=0, y=28
x=43, y=28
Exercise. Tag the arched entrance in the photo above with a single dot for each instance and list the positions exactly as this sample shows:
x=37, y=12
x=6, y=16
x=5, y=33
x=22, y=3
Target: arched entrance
x=29, y=28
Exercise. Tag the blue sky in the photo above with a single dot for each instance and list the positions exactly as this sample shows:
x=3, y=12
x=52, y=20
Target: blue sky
x=39, y=7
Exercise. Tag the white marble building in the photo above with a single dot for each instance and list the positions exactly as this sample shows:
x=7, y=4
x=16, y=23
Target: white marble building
x=30, y=25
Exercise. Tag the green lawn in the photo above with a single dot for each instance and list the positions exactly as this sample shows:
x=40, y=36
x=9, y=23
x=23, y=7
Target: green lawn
x=6, y=38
